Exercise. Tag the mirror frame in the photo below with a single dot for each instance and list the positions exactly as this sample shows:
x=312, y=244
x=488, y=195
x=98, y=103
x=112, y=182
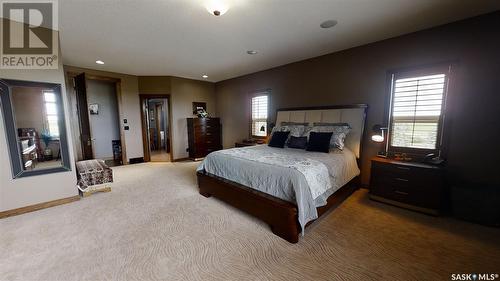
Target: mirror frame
x=11, y=129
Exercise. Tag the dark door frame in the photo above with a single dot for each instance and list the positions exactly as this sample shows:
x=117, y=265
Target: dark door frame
x=145, y=140
x=80, y=87
x=118, y=89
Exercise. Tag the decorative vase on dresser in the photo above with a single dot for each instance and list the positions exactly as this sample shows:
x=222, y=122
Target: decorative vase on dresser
x=204, y=136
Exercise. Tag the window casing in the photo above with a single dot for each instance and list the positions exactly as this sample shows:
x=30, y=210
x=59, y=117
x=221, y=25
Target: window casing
x=259, y=114
x=417, y=110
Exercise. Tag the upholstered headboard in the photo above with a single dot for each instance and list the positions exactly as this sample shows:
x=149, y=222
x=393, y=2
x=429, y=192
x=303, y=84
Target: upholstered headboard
x=354, y=115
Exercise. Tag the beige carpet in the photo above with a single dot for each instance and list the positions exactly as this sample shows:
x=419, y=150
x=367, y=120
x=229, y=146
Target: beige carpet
x=155, y=226
x=160, y=156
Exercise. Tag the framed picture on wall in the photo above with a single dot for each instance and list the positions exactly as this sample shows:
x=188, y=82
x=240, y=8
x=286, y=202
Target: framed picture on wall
x=94, y=108
x=199, y=105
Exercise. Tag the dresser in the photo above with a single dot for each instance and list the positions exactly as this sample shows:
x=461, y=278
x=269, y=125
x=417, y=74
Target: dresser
x=415, y=186
x=204, y=136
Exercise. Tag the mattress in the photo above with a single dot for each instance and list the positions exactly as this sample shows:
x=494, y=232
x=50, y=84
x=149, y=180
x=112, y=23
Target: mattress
x=301, y=177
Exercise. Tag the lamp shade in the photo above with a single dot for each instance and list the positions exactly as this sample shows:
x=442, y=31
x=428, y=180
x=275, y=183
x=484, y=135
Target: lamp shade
x=378, y=138
x=378, y=135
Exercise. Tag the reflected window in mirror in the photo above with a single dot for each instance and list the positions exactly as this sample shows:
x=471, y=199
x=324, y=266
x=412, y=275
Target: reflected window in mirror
x=35, y=127
x=51, y=113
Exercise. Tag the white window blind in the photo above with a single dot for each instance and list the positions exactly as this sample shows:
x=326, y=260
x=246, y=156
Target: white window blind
x=51, y=113
x=259, y=116
x=416, y=111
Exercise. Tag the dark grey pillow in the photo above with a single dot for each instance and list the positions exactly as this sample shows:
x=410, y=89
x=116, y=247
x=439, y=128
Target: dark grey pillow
x=319, y=141
x=297, y=142
x=278, y=139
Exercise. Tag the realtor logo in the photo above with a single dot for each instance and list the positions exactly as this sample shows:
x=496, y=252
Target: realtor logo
x=29, y=35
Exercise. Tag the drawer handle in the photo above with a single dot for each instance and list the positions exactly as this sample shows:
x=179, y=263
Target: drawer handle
x=209, y=134
x=401, y=192
x=403, y=168
x=209, y=142
x=400, y=179
x=208, y=126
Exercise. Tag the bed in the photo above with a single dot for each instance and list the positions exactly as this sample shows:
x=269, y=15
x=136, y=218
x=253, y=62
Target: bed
x=288, y=188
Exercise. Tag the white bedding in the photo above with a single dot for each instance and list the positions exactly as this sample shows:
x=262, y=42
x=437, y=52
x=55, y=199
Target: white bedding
x=304, y=178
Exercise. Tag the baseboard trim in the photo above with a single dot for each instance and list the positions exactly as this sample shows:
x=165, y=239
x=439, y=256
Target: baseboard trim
x=39, y=206
x=181, y=159
x=136, y=160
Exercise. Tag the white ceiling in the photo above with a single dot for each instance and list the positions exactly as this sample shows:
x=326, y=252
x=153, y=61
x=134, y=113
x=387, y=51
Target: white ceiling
x=180, y=38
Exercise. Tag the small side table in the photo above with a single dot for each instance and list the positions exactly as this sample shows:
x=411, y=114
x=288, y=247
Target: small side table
x=243, y=144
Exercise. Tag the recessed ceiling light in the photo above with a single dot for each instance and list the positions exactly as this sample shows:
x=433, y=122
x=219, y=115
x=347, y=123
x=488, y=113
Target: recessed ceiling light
x=217, y=7
x=328, y=23
x=99, y=62
x=204, y=76
x=252, y=52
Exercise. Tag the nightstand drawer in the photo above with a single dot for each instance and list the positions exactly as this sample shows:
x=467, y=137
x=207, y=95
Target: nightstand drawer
x=419, y=183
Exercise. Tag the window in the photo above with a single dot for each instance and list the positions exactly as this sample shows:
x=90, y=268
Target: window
x=259, y=116
x=417, y=107
x=51, y=113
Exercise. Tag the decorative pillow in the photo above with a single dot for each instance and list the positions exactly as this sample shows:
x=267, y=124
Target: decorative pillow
x=278, y=139
x=295, y=130
x=319, y=141
x=338, y=136
x=331, y=124
x=297, y=142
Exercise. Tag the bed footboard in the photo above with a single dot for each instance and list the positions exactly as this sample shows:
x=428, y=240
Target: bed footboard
x=279, y=214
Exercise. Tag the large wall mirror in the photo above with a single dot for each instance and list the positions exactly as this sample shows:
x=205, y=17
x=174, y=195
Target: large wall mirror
x=33, y=113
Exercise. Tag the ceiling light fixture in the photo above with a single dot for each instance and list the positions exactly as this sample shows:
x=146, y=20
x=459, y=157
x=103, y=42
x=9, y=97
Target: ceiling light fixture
x=252, y=52
x=204, y=76
x=217, y=7
x=99, y=62
x=328, y=24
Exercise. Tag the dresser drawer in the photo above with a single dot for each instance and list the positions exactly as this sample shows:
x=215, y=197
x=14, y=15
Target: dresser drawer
x=401, y=175
x=413, y=184
x=200, y=132
x=202, y=150
x=204, y=136
x=208, y=139
x=414, y=195
x=206, y=122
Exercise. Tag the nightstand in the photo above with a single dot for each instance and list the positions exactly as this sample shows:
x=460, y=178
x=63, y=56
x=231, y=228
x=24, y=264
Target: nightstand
x=414, y=186
x=243, y=144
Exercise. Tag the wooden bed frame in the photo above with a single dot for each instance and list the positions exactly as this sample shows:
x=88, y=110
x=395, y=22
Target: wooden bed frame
x=281, y=215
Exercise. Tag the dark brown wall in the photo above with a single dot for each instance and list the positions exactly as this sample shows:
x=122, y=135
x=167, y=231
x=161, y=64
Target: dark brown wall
x=358, y=75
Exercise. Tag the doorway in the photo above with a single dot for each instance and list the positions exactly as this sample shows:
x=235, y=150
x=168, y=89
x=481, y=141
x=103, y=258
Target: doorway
x=156, y=127
x=98, y=108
